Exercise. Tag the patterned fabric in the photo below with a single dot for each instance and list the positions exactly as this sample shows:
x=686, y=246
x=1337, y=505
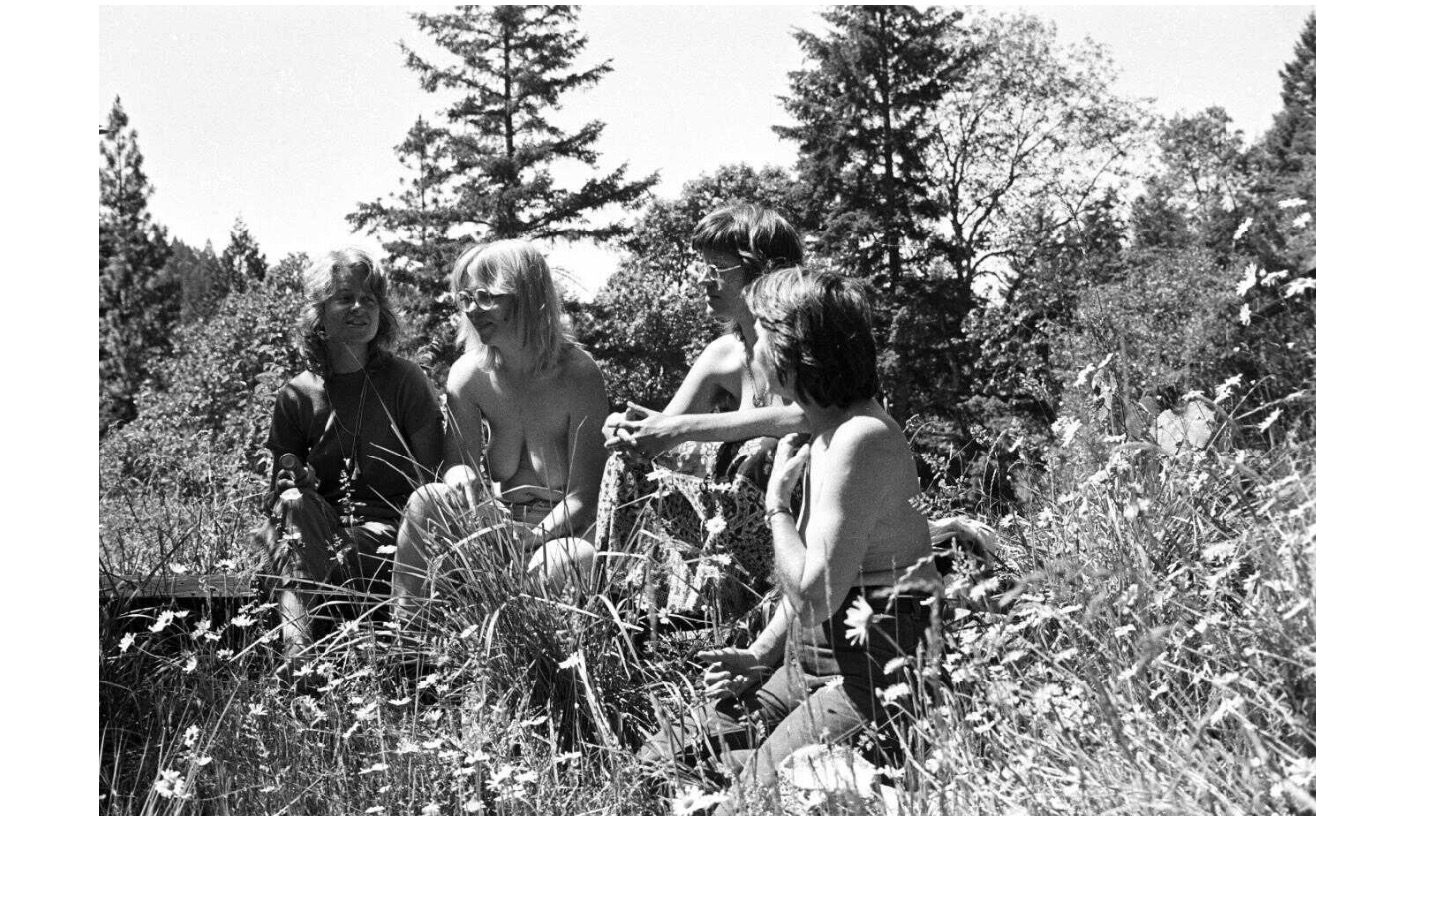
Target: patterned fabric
x=689, y=528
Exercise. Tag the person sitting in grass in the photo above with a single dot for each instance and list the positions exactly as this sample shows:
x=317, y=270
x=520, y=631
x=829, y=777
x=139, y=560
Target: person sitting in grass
x=853, y=565
x=721, y=404
x=350, y=437
x=523, y=445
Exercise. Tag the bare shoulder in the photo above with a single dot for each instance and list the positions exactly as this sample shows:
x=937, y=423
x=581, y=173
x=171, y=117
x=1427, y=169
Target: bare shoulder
x=581, y=376
x=868, y=435
x=723, y=356
x=468, y=379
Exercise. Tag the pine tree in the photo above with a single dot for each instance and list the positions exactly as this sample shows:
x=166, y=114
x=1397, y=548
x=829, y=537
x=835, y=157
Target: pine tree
x=138, y=304
x=201, y=281
x=241, y=263
x=487, y=175
x=1287, y=168
x=419, y=218
x=863, y=106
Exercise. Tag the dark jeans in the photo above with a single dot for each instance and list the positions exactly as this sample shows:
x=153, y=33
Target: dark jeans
x=309, y=548
x=824, y=692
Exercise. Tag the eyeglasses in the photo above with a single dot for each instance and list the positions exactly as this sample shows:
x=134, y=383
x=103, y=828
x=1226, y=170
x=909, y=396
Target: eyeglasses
x=481, y=300
x=703, y=271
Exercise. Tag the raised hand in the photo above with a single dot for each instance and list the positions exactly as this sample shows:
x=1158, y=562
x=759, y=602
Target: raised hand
x=791, y=457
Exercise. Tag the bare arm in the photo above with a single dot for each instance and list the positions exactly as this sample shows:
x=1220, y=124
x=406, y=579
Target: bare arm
x=464, y=443
x=652, y=433
x=718, y=372
x=844, y=505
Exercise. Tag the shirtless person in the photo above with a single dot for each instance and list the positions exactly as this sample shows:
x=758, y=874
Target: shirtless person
x=525, y=405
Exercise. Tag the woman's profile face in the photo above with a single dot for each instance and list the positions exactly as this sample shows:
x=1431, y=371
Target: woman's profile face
x=352, y=313
x=722, y=275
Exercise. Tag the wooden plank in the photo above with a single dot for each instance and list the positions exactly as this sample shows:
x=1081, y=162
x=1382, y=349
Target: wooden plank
x=180, y=587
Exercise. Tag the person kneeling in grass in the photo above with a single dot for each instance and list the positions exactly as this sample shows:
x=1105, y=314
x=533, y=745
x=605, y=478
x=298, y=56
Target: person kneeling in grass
x=853, y=566
x=523, y=449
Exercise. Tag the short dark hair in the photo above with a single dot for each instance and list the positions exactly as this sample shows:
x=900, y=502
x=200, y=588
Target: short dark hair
x=820, y=331
x=322, y=277
x=760, y=236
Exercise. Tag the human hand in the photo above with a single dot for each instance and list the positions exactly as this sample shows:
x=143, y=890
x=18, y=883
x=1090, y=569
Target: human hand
x=639, y=430
x=791, y=457
x=730, y=671
x=465, y=481
x=291, y=473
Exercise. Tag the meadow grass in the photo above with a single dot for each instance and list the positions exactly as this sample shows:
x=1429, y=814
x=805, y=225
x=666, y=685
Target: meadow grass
x=1146, y=645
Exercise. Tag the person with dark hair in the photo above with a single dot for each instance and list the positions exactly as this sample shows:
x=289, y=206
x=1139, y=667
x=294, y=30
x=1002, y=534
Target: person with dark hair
x=523, y=448
x=854, y=565
x=350, y=437
x=720, y=400
x=712, y=442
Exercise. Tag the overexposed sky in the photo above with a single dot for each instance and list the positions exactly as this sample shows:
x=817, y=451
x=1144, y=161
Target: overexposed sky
x=288, y=116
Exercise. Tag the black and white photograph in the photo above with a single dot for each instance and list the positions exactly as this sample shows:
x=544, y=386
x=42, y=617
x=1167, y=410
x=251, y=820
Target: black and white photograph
x=707, y=411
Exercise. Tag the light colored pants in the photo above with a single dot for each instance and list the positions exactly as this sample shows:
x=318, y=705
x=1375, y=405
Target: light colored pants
x=439, y=515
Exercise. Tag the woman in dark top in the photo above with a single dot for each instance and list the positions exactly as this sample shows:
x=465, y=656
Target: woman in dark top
x=351, y=436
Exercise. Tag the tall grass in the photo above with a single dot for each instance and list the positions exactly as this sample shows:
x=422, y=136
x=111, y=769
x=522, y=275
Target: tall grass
x=1147, y=646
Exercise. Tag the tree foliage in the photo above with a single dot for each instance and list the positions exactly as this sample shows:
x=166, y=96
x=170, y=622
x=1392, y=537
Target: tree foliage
x=417, y=220
x=1287, y=167
x=1026, y=144
x=138, y=304
x=241, y=262
x=199, y=276
x=208, y=424
x=863, y=107
x=488, y=173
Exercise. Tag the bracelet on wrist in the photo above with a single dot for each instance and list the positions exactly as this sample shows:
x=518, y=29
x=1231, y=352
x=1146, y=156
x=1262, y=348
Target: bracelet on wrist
x=777, y=511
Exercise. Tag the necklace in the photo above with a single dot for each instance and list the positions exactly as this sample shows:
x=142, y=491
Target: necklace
x=350, y=457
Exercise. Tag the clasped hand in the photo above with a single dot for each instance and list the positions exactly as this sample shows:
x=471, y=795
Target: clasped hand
x=645, y=432
x=730, y=671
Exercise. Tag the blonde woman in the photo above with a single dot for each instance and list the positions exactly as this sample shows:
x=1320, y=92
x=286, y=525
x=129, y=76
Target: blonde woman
x=525, y=406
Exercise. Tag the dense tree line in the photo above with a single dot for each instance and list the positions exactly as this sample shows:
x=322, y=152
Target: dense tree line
x=1017, y=219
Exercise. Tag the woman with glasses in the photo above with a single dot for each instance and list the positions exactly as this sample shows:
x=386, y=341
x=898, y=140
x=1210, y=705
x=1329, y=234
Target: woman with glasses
x=720, y=399
x=350, y=437
x=720, y=429
x=853, y=563
x=523, y=446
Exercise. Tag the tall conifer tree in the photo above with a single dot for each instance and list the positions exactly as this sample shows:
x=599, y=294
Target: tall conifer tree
x=863, y=106
x=138, y=304
x=508, y=67
x=241, y=261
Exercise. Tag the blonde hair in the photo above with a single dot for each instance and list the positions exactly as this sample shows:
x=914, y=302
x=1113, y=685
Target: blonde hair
x=514, y=267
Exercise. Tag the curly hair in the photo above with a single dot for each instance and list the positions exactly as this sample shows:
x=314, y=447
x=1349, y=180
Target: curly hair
x=517, y=267
x=322, y=278
x=821, y=340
